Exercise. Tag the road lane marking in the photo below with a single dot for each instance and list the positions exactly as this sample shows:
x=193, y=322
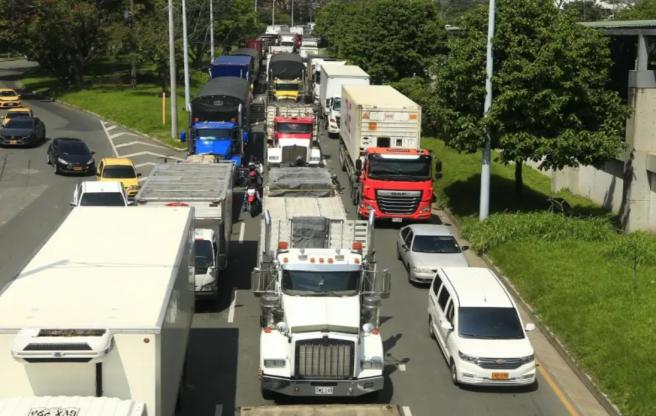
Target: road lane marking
x=109, y=139
x=559, y=393
x=147, y=153
x=136, y=142
x=141, y=165
x=218, y=410
x=111, y=127
x=242, y=228
x=402, y=367
x=406, y=411
x=231, y=311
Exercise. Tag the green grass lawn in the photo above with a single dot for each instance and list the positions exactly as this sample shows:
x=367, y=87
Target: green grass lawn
x=108, y=93
x=581, y=293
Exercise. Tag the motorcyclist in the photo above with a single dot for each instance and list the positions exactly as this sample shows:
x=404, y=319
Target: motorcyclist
x=253, y=181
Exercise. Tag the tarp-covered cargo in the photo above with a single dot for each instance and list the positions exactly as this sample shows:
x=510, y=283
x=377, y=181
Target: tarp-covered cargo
x=300, y=181
x=219, y=100
x=287, y=66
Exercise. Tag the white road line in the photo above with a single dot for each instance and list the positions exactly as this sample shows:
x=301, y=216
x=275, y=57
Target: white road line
x=124, y=133
x=402, y=367
x=242, y=228
x=136, y=142
x=105, y=129
x=406, y=411
x=147, y=153
x=218, y=410
x=231, y=311
x=111, y=127
x=141, y=165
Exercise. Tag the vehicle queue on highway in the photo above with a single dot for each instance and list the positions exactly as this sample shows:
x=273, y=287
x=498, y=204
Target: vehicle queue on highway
x=320, y=288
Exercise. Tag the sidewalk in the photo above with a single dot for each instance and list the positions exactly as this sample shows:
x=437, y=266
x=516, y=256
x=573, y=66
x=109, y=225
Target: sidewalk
x=553, y=366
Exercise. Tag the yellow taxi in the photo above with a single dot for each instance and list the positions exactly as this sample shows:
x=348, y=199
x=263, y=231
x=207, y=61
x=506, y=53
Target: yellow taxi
x=112, y=169
x=17, y=112
x=9, y=98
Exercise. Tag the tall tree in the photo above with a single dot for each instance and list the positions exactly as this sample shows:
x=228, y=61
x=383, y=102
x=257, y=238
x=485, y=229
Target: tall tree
x=551, y=104
x=586, y=10
x=643, y=10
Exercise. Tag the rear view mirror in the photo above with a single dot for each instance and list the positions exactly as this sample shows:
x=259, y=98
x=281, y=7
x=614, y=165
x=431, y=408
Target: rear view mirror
x=131, y=203
x=358, y=164
x=529, y=327
x=72, y=203
x=446, y=325
x=138, y=175
x=464, y=248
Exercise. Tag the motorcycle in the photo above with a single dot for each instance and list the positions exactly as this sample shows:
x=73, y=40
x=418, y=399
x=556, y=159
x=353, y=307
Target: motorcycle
x=252, y=201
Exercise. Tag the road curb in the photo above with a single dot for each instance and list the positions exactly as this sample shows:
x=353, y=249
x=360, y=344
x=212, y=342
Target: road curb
x=587, y=381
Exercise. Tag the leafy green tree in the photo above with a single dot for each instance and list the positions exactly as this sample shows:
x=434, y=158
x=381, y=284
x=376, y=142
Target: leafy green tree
x=586, y=10
x=387, y=38
x=551, y=104
x=643, y=10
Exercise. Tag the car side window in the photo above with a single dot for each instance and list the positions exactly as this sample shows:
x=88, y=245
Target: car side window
x=404, y=233
x=449, y=312
x=408, y=238
x=443, y=299
x=437, y=284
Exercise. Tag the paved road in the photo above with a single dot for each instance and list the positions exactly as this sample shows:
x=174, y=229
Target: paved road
x=223, y=351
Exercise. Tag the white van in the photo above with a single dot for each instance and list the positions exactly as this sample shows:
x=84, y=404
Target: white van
x=478, y=328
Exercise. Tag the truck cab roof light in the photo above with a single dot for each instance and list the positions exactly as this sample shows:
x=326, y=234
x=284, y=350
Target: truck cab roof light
x=330, y=260
x=375, y=331
x=283, y=245
x=356, y=261
x=267, y=329
x=177, y=204
x=357, y=246
x=321, y=260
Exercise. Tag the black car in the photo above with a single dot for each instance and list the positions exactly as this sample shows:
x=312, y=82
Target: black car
x=23, y=131
x=71, y=155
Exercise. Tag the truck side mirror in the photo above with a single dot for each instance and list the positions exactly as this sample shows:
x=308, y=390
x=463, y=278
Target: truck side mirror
x=256, y=282
x=183, y=136
x=358, y=164
x=438, y=169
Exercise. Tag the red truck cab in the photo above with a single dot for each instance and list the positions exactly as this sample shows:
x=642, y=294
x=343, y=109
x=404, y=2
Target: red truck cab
x=396, y=183
x=293, y=128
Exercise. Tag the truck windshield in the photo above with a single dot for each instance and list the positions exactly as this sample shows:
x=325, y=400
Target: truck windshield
x=489, y=323
x=203, y=256
x=102, y=199
x=435, y=244
x=287, y=43
x=214, y=133
x=320, y=283
x=294, y=128
x=418, y=169
x=337, y=104
x=287, y=87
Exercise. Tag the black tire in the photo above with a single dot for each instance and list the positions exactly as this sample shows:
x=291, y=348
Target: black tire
x=268, y=394
x=355, y=194
x=454, y=373
x=341, y=161
x=430, y=327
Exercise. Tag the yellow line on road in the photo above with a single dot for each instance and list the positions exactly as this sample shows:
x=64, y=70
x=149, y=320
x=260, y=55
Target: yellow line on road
x=559, y=393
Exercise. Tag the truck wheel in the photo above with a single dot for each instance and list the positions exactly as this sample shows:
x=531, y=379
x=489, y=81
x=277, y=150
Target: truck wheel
x=430, y=327
x=268, y=394
x=341, y=161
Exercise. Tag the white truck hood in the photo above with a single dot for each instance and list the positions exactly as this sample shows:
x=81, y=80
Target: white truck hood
x=319, y=311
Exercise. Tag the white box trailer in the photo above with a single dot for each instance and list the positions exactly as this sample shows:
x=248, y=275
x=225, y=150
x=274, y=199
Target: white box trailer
x=378, y=116
x=70, y=406
x=208, y=188
x=333, y=77
x=103, y=309
x=322, y=410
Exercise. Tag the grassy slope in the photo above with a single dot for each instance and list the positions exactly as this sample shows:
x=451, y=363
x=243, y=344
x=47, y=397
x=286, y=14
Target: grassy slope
x=584, y=296
x=108, y=94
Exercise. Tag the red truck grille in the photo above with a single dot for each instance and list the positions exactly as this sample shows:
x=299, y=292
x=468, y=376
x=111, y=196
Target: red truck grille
x=398, y=202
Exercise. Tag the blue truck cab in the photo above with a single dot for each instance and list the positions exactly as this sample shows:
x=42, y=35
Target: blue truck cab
x=222, y=139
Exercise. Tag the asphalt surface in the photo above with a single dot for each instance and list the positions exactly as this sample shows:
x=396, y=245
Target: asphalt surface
x=224, y=345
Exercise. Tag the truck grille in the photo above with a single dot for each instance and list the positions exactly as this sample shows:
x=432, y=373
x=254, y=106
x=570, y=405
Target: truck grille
x=499, y=363
x=324, y=358
x=337, y=119
x=292, y=153
x=398, y=202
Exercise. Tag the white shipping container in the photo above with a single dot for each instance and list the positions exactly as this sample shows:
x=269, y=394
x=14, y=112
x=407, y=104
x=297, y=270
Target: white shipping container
x=333, y=77
x=378, y=116
x=103, y=309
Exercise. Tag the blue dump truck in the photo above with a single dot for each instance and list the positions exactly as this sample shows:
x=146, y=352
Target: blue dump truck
x=232, y=66
x=219, y=119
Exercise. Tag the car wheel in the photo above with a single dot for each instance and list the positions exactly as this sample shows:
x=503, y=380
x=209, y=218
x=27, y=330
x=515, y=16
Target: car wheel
x=398, y=253
x=454, y=373
x=430, y=327
x=268, y=394
x=55, y=169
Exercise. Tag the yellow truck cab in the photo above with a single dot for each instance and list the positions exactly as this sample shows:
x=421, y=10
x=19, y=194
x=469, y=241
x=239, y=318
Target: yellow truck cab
x=287, y=89
x=121, y=170
x=17, y=112
x=9, y=98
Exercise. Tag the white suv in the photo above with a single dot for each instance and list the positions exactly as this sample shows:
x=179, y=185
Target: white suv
x=478, y=328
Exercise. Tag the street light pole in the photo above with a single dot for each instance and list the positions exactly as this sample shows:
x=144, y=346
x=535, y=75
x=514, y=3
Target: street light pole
x=185, y=56
x=174, y=109
x=484, y=208
x=133, y=58
x=273, y=12
x=292, y=12
x=211, y=31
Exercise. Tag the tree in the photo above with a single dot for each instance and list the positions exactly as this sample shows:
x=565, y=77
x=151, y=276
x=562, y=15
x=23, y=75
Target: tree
x=586, y=10
x=551, y=104
x=644, y=10
x=387, y=38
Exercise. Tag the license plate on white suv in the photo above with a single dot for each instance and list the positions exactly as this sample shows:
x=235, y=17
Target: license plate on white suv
x=324, y=390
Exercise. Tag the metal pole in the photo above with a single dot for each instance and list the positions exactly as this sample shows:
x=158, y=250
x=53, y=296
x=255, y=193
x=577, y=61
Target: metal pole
x=255, y=6
x=273, y=12
x=484, y=208
x=211, y=31
x=174, y=109
x=133, y=58
x=292, y=12
x=185, y=56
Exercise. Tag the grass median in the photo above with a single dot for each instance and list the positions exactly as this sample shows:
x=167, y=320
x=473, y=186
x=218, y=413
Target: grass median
x=575, y=270
x=107, y=92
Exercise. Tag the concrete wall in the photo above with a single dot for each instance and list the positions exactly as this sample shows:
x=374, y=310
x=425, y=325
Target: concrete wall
x=603, y=186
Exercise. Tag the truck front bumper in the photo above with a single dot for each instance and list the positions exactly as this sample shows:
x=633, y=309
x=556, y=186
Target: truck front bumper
x=337, y=388
x=423, y=212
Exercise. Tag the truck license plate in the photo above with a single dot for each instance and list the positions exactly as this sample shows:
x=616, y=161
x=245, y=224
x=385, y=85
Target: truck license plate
x=13, y=141
x=324, y=390
x=397, y=219
x=499, y=376
x=54, y=411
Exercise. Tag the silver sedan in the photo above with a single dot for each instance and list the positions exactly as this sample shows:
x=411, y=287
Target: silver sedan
x=423, y=248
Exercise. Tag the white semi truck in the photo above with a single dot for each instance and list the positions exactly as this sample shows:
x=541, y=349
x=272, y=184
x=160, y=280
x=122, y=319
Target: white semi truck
x=103, y=309
x=320, y=291
x=333, y=77
x=208, y=188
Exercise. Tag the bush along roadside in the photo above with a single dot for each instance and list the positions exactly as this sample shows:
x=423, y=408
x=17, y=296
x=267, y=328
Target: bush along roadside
x=590, y=284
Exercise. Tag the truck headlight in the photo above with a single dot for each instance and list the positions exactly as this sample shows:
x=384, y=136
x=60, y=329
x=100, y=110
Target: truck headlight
x=527, y=359
x=465, y=357
x=315, y=158
x=274, y=362
x=62, y=161
x=373, y=363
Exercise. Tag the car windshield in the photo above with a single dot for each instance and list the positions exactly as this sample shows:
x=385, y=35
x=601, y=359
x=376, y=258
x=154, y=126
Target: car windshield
x=320, y=283
x=119, y=171
x=435, y=244
x=489, y=323
x=214, y=133
x=406, y=169
x=14, y=114
x=73, y=148
x=294, y=128
x=337, y=104
x=203, y=256
x=20, y=123
x=8, y=94
x=287, y=87
x=102, y=199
